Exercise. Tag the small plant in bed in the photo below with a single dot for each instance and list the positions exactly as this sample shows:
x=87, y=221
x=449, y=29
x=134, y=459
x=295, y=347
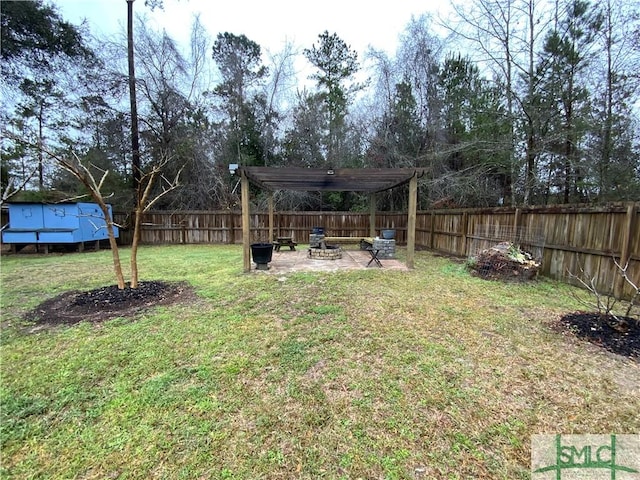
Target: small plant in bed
x=614, y=333
x=609, y=322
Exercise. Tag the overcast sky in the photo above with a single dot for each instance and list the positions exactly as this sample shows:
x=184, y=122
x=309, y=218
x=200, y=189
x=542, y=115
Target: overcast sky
x=270, y=23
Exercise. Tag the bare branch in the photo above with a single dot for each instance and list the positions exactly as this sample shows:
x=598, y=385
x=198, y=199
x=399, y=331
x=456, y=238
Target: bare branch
x=172, y=185
x=588, y=282
x=10, y=190
x=605, y=303
x=636, y=289
x=74, y=198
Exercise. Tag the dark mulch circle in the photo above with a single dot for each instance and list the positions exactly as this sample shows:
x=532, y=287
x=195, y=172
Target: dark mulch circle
x=108, y=302
x=620, y=336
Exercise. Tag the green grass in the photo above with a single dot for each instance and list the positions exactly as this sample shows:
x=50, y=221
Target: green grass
x=362, y=374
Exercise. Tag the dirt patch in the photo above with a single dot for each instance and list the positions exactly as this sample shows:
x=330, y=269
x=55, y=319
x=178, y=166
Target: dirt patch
x=620, y=336
x=106, y=303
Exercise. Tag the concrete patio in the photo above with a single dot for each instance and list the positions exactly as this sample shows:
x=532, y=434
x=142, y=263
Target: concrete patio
x=286, y=261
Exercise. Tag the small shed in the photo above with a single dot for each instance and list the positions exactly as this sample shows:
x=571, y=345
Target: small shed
x=52, y=224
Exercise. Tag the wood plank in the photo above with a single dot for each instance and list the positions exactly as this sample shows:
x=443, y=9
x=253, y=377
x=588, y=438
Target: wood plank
x=625, y=251
x=271, y=237
x=411, y=221
x=372, y=214
x=246, y=233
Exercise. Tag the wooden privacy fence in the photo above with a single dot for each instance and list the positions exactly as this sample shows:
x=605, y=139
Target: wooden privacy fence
x=226, y=227
x=570, y=239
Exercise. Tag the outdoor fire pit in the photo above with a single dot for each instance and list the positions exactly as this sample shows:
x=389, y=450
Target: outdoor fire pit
x=325, y=252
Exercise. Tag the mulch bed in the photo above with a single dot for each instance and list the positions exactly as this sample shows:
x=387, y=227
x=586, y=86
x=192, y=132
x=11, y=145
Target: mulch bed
x=108, y=302
x=620, y=336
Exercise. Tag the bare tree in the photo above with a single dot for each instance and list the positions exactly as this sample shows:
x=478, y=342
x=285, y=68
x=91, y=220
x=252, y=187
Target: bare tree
x=506, y=35
x=418, y=60
x=146, y=199
x=75, y=167
x=153, y=186
x=615, y=83
x=278, y=92
x=603, y=300
x=171, y=94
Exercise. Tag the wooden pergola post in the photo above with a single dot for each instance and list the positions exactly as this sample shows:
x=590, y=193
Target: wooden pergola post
x=246, y=230
x=372, y=215
x=411, y=221
x=271, y=237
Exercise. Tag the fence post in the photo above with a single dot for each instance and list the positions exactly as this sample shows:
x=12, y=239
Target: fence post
x=625, y=249
x=465, y=226
x=271, y=238
x=431, y=234
x=516, y=225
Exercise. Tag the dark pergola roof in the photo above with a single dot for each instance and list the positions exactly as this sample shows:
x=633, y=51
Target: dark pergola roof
x=332, y=180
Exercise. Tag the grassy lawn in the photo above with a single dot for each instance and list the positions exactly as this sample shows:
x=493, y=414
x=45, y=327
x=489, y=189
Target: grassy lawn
x=368, y=374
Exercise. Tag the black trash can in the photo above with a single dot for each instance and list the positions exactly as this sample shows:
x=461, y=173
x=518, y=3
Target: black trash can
x=262, y=253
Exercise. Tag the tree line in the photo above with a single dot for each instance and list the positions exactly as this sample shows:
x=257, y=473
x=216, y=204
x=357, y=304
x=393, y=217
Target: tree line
x=517, y=102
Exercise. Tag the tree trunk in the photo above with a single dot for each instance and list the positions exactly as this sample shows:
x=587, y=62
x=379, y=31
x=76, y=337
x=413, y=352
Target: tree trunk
x=115, y=252
x=608, y=123
x=40, y=147
x=134, y=246
x=530, y=173
x=508, y=193
x=135, y=135
x=569, y=144
x=136, y=169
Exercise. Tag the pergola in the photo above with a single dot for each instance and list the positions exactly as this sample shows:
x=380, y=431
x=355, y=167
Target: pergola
x=367, y=180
